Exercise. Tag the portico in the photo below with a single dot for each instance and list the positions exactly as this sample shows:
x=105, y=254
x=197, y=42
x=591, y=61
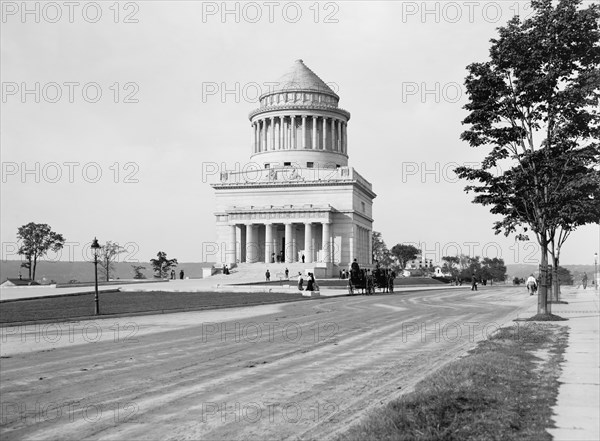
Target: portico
x=279, y=236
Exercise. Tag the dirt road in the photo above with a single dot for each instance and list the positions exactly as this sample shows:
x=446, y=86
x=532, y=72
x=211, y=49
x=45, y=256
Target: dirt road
x=303, y=370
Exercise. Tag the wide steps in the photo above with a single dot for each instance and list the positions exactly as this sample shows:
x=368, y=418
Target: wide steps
x=255, y=272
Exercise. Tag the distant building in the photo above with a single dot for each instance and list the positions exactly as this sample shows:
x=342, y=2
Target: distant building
x=419, y=263
x=18, y=282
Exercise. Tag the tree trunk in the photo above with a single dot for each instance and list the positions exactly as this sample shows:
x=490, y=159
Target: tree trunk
x=555, y=280
x=107, y=270
x=543, y=306
x=32, y=274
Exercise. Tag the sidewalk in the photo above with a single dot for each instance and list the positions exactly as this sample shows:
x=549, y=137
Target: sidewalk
x=578, y=403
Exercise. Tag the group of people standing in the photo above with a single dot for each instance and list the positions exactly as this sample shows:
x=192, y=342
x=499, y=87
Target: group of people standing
x=311, y=283
x=173, y=275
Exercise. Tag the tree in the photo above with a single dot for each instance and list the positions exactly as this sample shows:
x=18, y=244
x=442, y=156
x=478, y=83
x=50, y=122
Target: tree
x=380, y=250
x=137, y=271
x=451, y=265
x=470, y=266
x=404, y=253
x=162, y=265
x=108, y=255
x=37, y=240
x=541, y=82
x=564, y=276
x=494, y=269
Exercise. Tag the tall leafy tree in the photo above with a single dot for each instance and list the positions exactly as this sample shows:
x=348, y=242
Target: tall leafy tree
x=535, y=100
x=162, y=265
x=380, y=250
x=404, y=253
x=451, y=265
x=494, y=269
x=36, y=241
x=109, y=253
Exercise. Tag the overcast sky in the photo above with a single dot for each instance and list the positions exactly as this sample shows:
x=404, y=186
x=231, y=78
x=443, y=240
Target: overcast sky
x=177, y=81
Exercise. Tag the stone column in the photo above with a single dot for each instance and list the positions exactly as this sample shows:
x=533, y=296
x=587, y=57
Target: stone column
x=284, y=143
x=294, y=144
x=326, y=242
x=240, y=243
x=338, y=135
x=369, y=248
x=272, y=133
x=289, y=244
x=258, y=137
x=324, y=130
x=303, y=144
x=251, y=244
x=308, y=247
x=279, y=132
x=268, y=242
x=264, y=148
x=345, y=138
x=314, y=133
x=294, y=244
x=231, y=246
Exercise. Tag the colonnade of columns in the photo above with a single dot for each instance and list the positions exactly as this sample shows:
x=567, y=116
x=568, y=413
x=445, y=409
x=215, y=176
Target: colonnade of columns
x=249, y=250
x=299, y=132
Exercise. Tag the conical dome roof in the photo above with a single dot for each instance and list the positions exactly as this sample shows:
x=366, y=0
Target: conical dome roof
x=300, y=78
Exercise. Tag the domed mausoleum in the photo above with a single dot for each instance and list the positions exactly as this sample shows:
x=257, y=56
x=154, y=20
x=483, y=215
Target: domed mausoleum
x=297, y=196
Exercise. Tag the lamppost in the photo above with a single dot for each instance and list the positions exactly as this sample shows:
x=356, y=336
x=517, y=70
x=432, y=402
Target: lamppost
x=595, y=271
x=96, y=247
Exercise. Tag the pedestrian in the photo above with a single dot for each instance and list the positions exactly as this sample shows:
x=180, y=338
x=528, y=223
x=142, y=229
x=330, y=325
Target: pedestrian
x=303, y=258
x=473, y=283
x=226, y=270
x=309, y=283
x=584, y=280
x=531, y=285
x=173, y=274
x=314, y=282
x=181, y=274
x=287, y=274
x=300, y=282
x=272, y=257
x=268, y=276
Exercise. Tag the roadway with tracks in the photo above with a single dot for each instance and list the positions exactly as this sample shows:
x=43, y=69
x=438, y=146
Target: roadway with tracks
x=303, y=370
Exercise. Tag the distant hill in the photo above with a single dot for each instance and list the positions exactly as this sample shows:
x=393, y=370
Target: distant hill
x=63, y=272
x=523, y=270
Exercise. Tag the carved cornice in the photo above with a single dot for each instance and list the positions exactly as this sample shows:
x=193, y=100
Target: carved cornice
x=303, y=107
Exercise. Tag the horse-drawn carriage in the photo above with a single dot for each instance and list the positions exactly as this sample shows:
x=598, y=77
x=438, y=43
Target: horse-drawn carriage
x=368, y=281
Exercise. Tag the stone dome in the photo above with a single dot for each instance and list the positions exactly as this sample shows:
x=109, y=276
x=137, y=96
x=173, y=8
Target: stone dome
x=299, y=123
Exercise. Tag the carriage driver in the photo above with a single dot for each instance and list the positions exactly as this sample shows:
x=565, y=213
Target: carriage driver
x=355, y=269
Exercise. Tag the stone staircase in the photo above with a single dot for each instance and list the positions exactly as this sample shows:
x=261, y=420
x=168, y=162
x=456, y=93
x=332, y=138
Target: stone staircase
x=255, y=272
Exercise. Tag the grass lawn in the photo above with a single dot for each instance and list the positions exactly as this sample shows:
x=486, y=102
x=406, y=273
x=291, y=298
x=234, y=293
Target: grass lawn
x=503, y=389
x=132, y=302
